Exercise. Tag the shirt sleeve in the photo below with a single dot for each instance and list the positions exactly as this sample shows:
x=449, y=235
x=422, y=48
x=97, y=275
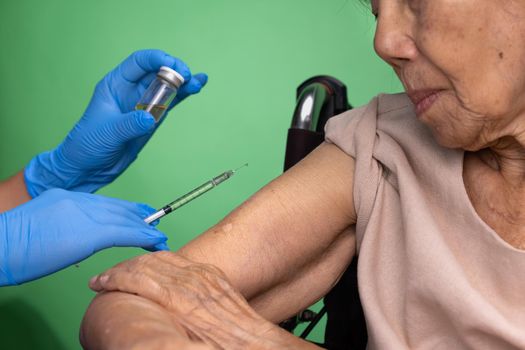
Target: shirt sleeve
x=354, y=132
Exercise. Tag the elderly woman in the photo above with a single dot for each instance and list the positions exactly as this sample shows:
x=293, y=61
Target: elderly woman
x=427, y=188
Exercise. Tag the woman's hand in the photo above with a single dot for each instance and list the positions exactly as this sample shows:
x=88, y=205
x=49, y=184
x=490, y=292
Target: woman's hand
x=200, y=298
x=110, y=134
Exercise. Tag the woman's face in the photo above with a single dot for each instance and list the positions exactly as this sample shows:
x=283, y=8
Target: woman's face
x=462, y=62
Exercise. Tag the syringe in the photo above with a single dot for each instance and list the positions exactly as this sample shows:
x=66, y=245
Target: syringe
x=188, y=197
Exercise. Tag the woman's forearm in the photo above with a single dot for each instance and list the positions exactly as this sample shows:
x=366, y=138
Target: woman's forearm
x=13, y=192
x=126, y=321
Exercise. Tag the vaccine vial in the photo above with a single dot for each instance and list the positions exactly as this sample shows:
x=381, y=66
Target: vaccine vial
x=160, y=93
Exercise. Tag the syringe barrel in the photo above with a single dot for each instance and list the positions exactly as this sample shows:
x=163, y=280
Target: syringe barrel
x=188, y=197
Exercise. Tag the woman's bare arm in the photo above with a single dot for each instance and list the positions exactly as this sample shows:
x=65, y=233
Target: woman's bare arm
x=294, y=232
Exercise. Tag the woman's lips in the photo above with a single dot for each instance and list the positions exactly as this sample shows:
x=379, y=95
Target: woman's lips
x=423, y=99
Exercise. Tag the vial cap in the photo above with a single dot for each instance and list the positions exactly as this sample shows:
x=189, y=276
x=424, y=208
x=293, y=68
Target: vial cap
x=171, y=76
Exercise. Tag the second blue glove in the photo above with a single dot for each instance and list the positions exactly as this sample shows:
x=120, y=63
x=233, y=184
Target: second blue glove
x=60, y=228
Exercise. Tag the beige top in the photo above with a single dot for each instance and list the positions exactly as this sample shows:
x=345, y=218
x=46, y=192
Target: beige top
x=432, y=274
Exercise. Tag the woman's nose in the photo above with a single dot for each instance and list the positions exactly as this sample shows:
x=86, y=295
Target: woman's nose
x=393, y=40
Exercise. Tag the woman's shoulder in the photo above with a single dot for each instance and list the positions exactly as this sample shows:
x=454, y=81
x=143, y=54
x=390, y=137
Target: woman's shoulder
x=387, y=131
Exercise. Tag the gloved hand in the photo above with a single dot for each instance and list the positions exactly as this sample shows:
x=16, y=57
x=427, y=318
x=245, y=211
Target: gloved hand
x=60, y=228
x=110, y=134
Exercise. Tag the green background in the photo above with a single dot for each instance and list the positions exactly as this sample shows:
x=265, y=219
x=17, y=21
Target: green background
x=255, y=52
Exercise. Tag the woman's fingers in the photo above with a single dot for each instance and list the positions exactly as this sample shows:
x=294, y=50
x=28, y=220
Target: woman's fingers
x=168, y=279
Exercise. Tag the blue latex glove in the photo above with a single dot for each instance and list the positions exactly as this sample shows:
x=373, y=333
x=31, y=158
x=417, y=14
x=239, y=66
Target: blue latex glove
x=110, y=134
x=60, y=228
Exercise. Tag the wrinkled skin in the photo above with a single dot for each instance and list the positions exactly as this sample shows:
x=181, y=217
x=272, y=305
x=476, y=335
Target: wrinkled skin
x=466, y=49
x=199, y=298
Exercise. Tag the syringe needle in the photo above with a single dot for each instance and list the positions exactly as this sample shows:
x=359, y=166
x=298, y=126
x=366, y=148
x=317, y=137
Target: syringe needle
x=242, y=166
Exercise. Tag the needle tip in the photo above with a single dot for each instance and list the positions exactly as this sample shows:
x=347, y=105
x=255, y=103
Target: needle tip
x=242, y=166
